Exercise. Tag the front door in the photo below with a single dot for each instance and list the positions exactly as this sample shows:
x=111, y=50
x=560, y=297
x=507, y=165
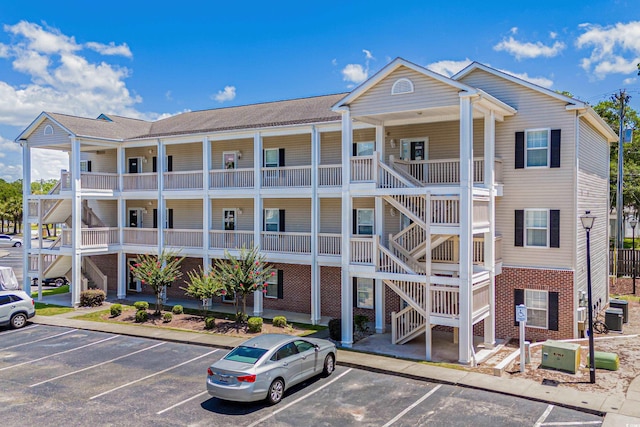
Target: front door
x=135, y=218
x=134, y=165
x=416, y=151
x=133, y=284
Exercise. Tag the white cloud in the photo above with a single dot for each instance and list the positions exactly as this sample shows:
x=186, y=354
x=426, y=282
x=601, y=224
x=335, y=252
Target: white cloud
x=448, y=68
x=228, y=94
x=55, y=161
x=354, y=73
x=529, y=50
x=110, y=49
x=553, y=35
x=540, y=81
x=367, y=54
x=168, y=95
x=334, y=61
x=615, y=48
x=514, y=30
x=630, y=80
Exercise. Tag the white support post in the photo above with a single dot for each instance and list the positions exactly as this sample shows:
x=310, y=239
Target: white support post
x=161, y=202
x=380, y=142
x=26, y=193
x=489, y=237
x=427, y=279
x=76, y=224
x=120, y=167
x=206, y=201
x=466, y=229
x=346, y=282
x=258, y=298
x=123, y=271
x=315, y=227
x=379, y=228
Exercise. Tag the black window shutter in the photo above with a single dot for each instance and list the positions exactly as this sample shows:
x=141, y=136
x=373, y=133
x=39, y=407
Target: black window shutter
x=518, y=298
x=355, y=222
x=264, y=220
x=519, y=150
x=553, y=311
x=170, y=218
x=374, y=294
x=280, y=284
x=281, y=218
x=519, y=229
x=169, y=163
x=264, y=158
x=554, y=229
x=154, y=162
x=155, y=218
x=281, y=157
x=88, y=165
x=355, y=292
x=355, y=150
x=555, y=148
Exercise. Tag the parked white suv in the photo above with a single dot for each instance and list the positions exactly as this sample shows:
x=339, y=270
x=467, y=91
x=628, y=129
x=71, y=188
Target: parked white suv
x=15, y=308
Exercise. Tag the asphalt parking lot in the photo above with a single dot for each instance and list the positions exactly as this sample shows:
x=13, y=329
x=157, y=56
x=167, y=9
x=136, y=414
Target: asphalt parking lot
x=61, y=376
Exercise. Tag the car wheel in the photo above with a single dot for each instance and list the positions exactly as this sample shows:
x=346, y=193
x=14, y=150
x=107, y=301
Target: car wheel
x=58, y=282
x=18, y=320
x=17, y=244
x=329, y=365
x=276, y=391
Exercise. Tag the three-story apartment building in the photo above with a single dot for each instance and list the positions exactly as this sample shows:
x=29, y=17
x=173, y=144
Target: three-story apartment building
x=418, y=200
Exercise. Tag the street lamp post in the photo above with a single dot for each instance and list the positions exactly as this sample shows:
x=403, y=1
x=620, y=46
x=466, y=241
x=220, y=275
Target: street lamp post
x=587, y=222
x=633, y=221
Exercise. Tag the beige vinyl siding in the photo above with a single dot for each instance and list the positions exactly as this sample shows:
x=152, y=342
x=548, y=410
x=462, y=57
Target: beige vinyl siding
x=244, y=221
x=593, y=195
x=391, y=223
x=330, y=215
x=143, y=153
x=186, y=157
x=106, y=162
x=187, y=214
x=444, y=139
x=106, y=210
x=244, y=146
x=428, y=93
x=297, y=213
x=59, y=135
x=544, y=188
x=330, y=148
x=297, y=148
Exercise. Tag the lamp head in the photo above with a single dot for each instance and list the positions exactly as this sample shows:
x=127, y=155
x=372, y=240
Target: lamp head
x=587, y=220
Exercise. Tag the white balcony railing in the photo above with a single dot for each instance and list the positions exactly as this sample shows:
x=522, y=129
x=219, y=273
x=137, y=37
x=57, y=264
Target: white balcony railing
x=445, y=210
x=330, y=175
x=231, y=178
x=445, y=301
x=362, y=250
x=183, y=238
x=362, y=168
x=481, y=293
x=140, y=236
x=90, y=237
x=91, y=180
x=288, y=176
x=140, y=181
x=329, y=244
x=294, y=243
x=183, y=180
x=445, y=171
x=230, y=239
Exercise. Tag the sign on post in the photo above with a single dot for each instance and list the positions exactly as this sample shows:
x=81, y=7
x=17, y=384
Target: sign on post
x=521, y=316
x=521, y=313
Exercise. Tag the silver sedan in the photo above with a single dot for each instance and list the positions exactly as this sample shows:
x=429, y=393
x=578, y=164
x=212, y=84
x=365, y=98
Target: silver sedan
x=265, y=366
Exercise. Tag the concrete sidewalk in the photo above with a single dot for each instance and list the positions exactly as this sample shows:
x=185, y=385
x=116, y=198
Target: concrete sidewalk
x=620, y=411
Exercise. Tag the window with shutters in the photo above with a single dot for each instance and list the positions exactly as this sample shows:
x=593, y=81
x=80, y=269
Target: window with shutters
x=364, y=222
x=272, y=286
x=85, y=165
x=537, y=148
x=271, y=220
x=536, y=225
x=364, y=292
x=365, y=148
x=271, y=158
x=537, y=303
x=402, y=86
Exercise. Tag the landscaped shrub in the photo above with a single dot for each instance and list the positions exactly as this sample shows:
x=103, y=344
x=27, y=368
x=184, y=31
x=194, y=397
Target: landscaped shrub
x=116, y=310
x=167, y=317
x=92, y=298
x=360, y=323
x=241, y=317
x=142, y=316
x=255, y=324
x=209, y=322
x=335, y=329
x=279, y=321
x=177, y=309
x=141, y=305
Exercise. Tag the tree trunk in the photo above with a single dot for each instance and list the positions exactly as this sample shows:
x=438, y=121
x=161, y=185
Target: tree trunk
x=159, y=300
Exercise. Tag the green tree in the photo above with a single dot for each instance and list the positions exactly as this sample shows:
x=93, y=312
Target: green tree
x=159, y=272
x=204, y=284
x=243, y=275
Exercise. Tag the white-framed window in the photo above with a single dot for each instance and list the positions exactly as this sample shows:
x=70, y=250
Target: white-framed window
x=272, y=157
x=402, y=85
x=364, y=224
x=364, y=292
x=229, y=219
x=229, y=297
x=365, y=148
x=537, y=303
x=48, y=130
x=84, y=165
x=272, y=220
x=536, y=225
x=537, y=150
x=272, y=286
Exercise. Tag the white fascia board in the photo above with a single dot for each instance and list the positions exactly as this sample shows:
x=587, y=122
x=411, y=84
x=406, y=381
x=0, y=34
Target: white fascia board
x=493, y=103
x=36, y=122
x=596, y=121
x=388, y=69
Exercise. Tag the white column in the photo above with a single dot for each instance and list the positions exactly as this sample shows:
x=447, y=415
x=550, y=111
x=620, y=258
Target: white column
x=379, y=302
x=161, y=202
x=76, y=223
x=315, y=227
x=466, y=229
x=346, y=292
x=123, y=271
x=427, y=280
x=206, y=201
x=26, y=192
x=258, y=300
x=489, y=238
x=120, y=166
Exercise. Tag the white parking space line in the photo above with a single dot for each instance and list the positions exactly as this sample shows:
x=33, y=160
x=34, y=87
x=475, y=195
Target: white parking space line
x=38, y=340
x=19, y=330
x=544, y=416
x=95, y=366
x=180, y=403
x=573, y=423
x=299, y=399
x=413, y=405
x=57, y=354
x=152, y=375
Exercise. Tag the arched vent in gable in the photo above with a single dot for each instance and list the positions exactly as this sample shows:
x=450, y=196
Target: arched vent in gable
x=402, y=86
x=48, y=130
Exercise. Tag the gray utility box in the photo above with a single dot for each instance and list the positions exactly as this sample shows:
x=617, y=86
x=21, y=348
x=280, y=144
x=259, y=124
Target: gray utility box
x=622, y=304
x=613, y=319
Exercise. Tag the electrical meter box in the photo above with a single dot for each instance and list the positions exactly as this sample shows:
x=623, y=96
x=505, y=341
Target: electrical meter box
x=563, y=356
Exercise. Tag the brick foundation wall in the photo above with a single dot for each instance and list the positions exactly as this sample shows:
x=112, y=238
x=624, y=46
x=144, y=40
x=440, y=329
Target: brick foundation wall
x=560, y=281
x=174, y=291
x=330, y=295
x=108, y=264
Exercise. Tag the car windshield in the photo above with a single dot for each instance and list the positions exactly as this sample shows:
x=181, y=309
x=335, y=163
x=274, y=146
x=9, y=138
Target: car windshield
x=245, y=354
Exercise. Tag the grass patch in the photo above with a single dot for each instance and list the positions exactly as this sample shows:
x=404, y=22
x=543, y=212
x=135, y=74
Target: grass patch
x=55, y=291
x=627, y=297
x=96, y=315
x=43, y=309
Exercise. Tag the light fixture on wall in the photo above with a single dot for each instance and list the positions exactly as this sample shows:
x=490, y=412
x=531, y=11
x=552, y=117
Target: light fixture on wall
x=392, y=142
x=144, y=211
x=239, y=211
x=239, y=153
x=393, y=212
x=144, y=159
x=150, y=203
x=150, y=151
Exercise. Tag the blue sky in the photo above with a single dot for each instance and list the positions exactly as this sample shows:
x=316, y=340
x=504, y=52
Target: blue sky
x=84, y=58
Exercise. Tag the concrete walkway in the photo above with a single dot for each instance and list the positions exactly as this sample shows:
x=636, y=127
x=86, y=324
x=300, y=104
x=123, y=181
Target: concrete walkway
x=620, y=411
